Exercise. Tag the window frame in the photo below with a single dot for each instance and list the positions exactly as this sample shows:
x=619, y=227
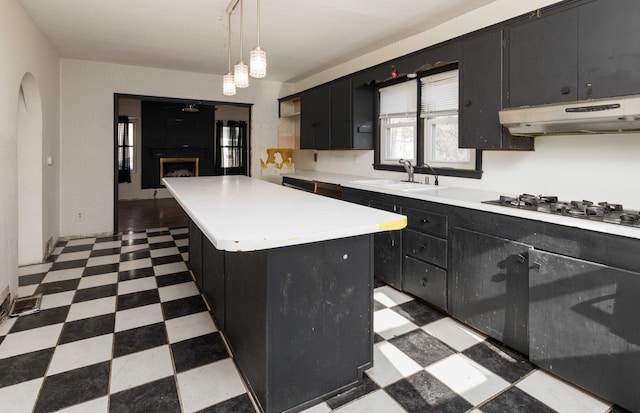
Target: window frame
x=475, y=173
x=403, y=109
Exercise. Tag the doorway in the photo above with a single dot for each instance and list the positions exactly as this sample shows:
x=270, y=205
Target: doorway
x=156, y=136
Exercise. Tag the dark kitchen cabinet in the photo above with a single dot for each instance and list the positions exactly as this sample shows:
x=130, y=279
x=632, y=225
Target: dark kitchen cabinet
x=481, y=94
x=587, y=51
x=489, y=285
x=315, y=118
x=340, y=115
x=337, y=115
x=299, y=319
x=543, y=62
x=584, y=325
x=195, y=252
x=608, y=49
x=214, y=280
x=425, y=248
x=387, y=247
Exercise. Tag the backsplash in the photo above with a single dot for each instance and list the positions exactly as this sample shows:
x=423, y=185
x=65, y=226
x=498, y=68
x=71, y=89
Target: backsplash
x=597, y=167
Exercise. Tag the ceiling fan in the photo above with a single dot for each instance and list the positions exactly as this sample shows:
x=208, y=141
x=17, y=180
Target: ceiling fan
x=191, y=107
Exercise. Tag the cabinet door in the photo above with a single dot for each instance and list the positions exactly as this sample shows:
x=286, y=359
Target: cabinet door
x=213, y=277
x=542, y=59
x=488, y=285
x=584, y=325
x=341, y=115
x=314, y=118
x=387, y=247
x=195, y=252
x=387, y=260
x=609, y=49
x=481, y=92
x=362, y=105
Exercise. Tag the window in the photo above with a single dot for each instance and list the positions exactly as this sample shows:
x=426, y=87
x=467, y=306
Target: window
x=439, y=111
x=126, y=139
x=418, y=121
x=398, y=120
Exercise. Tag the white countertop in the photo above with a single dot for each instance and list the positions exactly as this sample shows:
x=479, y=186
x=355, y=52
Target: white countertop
x=238, y=213
x=473, y=198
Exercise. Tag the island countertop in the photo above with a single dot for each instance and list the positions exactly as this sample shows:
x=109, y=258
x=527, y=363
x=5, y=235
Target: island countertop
x=238, y=213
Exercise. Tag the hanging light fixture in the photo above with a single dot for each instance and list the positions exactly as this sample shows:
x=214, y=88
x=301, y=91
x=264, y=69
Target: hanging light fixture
x=228, y=83
x=258, y=57
x=241, y=70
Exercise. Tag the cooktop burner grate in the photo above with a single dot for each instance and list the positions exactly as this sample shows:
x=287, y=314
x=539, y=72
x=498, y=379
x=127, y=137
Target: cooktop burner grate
x=603, y=211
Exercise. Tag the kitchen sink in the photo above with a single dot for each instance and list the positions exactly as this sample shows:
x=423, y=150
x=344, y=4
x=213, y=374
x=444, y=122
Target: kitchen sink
x=413, y=187
x=422, y=189
x=378, y=182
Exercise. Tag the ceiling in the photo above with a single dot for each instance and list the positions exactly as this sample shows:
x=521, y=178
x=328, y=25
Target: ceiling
x=301, y=37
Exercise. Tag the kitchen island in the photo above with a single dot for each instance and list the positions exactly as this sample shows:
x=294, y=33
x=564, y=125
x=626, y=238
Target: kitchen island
x=290, y=280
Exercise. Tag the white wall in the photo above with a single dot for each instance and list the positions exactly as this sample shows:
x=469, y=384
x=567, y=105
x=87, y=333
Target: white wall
x=599, y=168
x=86, y=125
x=24, y=50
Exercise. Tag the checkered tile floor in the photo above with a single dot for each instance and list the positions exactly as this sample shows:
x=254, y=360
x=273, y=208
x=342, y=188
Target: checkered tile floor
x=123, y=328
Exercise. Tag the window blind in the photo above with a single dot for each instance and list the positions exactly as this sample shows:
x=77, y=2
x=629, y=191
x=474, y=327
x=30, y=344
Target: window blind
x=439, y=94
x=400, y=99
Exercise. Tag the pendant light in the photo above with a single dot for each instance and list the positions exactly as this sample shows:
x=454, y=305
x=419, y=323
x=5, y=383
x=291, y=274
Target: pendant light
x=241, y=70
x=228, y=84
x=258, y=57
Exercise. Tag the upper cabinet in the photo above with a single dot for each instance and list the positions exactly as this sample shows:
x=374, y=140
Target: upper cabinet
x=584, y=52
x=608, y=49
x=542, y=59
x=337, y=116
x=481, y=95
x=315, y=115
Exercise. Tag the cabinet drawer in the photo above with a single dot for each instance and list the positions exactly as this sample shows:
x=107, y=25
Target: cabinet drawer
x=426, y=247
x=425, y=281
x=426, y=221
x=383, y=206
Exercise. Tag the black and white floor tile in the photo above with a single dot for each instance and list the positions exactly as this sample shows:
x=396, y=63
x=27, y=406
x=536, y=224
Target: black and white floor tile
x=123, y=328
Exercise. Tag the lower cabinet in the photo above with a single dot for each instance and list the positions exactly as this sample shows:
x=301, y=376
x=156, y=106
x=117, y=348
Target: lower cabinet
x=387, y=260
x=195, y=252
x=425, y=248
x=584, y=325
x=213, y=266
x=425, y=281
x=566, y=297
x=387, y=257
x=489, y=285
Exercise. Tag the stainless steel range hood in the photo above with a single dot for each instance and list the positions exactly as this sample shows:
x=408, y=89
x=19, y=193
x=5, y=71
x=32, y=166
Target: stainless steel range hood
x=610, y=115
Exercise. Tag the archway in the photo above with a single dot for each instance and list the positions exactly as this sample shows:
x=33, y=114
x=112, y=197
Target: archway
x=29, y=145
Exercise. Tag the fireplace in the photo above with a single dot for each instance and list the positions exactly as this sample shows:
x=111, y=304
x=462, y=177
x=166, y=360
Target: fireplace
x=178, y=167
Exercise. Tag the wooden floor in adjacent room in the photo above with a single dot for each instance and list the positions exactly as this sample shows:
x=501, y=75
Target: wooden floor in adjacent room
x=150, y=213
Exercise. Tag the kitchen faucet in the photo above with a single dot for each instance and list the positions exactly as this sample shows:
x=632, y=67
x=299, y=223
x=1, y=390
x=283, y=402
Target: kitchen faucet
x=435, y=175
x=407, y=167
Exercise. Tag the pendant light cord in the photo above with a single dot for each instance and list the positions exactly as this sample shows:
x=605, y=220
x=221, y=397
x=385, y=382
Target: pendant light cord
x=229, y=39
x=258, y=3
x=241, y=26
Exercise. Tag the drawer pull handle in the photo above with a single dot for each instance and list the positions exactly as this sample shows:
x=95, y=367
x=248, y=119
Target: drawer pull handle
x=521, y=258
x=393, y=243
x=424, y=221
x=424, y=282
